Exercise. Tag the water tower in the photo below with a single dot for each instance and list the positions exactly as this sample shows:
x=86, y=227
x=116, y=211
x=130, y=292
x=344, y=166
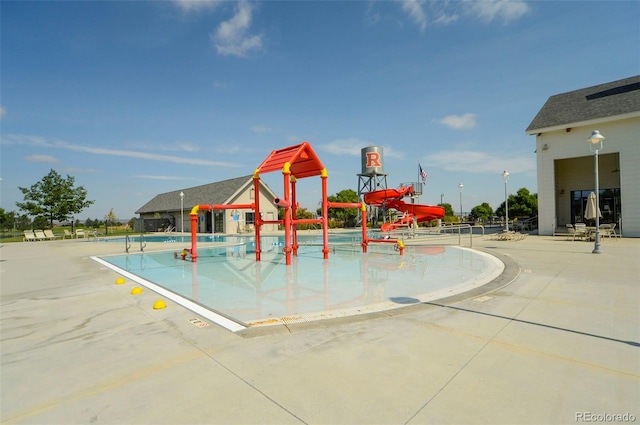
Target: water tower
x=372, y=176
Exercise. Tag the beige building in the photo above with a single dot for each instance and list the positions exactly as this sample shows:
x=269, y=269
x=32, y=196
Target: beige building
x=166, y=210
x=565, y=161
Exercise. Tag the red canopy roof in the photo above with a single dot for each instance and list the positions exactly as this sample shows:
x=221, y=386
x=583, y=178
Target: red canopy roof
x=302, y=160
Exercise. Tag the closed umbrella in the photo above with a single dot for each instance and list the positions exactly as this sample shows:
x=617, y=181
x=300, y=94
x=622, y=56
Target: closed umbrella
x=590, y=213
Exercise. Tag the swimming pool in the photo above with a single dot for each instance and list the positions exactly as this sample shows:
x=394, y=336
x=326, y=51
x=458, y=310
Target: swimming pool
x=168, y=238
x=229, y=287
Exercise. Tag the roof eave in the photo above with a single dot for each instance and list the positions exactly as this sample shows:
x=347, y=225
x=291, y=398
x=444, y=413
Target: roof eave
x=594, y=121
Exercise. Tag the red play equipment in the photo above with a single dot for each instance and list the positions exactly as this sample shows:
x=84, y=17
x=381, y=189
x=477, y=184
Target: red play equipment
x=298, y=162
x=392, y=198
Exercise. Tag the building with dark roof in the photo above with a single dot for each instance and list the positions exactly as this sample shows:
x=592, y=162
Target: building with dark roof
x=166, y=210
x=565, y=162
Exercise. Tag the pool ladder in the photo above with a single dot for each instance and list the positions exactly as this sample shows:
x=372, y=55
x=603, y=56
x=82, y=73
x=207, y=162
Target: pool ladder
x=127, y=243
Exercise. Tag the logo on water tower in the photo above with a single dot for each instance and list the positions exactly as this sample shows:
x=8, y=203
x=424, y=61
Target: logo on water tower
x=372, y=160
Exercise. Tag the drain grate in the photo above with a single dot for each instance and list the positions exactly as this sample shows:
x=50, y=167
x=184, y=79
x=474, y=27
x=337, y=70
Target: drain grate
x=483, y=299
x=198, y=323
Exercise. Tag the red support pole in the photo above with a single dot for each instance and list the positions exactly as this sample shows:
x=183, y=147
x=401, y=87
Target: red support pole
x=194, y=234
x=286, y=172
x=365, y=239
x=325, y=215
x=294, y=216
x=256, y=211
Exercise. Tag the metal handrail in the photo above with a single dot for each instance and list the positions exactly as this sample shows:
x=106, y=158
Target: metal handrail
x=127, y=243
x=143, y=243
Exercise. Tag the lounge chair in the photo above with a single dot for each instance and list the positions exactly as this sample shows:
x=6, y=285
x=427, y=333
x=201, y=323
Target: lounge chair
x=579, y=231
x=29, y=236
x=80, y=233
x=40, y=235
x=608, y=230
x=67, y=233
x=50, y=235
x=93, y=234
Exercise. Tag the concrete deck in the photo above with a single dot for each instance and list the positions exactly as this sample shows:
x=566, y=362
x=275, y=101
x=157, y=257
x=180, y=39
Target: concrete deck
x=559, y=344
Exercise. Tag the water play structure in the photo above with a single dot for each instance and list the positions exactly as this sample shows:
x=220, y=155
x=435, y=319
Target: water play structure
x=299, y=162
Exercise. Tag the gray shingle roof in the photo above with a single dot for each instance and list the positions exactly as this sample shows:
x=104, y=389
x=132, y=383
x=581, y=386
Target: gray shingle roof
x=207, y=194
x=601, y=101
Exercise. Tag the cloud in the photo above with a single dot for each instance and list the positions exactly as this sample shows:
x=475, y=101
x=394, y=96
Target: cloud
x=231, y=37
x=507, y=10
x=260, y=129
x=459, y=122
x=144, y=176
x=42, y=158
x=423, y=13
x=41, y=142
x=415, y=10
x=196, y=5
x=353, y=146
x=480, y=162
x=3, y=112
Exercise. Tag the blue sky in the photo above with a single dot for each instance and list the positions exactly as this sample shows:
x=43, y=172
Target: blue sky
x=139, y=98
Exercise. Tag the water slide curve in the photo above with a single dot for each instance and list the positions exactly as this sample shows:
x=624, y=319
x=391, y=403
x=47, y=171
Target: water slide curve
x=392, y=198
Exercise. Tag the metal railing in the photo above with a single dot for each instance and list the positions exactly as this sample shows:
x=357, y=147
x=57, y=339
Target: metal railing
x=127, y=243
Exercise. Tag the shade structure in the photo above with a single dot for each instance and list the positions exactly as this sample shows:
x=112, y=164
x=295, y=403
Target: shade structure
x=590, y=212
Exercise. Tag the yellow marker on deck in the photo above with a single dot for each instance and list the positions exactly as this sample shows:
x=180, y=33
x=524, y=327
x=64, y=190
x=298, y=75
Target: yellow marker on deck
x=158, y=305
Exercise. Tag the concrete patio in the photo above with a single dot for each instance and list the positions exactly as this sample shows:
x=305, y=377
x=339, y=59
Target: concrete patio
x=560, y=343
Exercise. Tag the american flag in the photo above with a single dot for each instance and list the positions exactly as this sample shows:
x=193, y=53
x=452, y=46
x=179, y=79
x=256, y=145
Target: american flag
x=423, y=174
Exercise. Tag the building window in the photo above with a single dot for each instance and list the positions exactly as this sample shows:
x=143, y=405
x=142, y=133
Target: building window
x=250, y=218
x=610, y=205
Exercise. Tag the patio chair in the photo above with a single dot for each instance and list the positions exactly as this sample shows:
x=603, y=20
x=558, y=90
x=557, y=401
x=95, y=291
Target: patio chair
x=608, y=230
x=48, y=233
x=80, y=233
x=40, y=235
x=579, y=231
x=29, y=236
x=67, y=233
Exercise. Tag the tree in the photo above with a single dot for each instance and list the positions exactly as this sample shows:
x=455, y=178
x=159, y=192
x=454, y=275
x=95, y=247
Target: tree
x=54, y=198
x=448, y=209
x=109, y=219
x=347, y=216
x=482, y=212
x=523, y=204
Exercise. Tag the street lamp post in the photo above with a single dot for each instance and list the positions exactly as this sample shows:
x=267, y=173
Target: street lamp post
x=181, y=212
x=441, y=198
x=505, y=176
x=460, y=186
x=595, y=144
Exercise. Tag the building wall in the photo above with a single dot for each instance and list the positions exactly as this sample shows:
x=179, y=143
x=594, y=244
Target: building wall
x=554, y=173
x=267, y=208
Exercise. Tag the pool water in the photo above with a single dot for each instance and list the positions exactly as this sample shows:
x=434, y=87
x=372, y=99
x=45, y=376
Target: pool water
x=227, y=281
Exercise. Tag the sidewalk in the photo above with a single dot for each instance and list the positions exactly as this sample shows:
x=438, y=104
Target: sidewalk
x=560, y=344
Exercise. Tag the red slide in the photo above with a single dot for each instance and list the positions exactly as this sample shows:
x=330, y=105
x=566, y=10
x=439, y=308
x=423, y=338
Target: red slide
x=392, y=198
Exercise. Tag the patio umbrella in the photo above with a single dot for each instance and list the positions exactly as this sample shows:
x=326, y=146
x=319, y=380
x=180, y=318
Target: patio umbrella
x=590, y=213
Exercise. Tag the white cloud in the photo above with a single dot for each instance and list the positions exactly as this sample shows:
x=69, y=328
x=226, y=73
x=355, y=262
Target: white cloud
x=480, y=162
x=353, y=146
x=149, y=177
x=196, y=5
x=42, y=158
x=231, y=37
x=488, y=10
x=415, y=10
x=444, y=12
x=260, y=129
x=41, y=142
x=459, y=122
x=3, y=112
